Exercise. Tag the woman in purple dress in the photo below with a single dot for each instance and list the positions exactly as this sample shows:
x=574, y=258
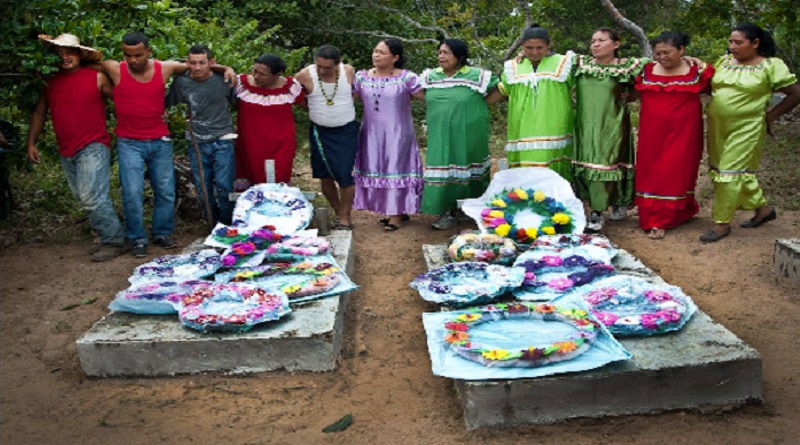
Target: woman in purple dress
x=388, y=170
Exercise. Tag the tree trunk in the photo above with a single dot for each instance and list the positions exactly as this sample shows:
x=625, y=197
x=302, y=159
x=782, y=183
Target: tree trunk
x=629, y=26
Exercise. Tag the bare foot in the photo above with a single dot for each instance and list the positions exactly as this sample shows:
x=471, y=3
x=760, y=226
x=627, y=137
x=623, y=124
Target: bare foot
x=656, y=233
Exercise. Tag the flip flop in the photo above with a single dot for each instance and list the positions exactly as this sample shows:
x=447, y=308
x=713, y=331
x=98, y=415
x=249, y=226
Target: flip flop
x=391, y=227
x=403, y=218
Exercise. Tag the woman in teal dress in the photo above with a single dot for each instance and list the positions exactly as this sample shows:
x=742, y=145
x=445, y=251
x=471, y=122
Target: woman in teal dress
x=738, y=120
x=457, y=160
x=604, y=151
x=538, y=87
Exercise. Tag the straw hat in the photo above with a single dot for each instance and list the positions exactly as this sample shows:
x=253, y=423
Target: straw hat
x=70, y=41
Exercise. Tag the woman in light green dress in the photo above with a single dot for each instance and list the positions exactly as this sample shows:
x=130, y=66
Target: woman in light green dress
x=738, y=120
x=540, y=116
x=604, y=150
x=457, y=160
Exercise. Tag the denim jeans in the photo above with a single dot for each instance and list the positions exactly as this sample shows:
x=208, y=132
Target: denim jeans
x=88, y=175
x=156, y=155
x=219, y=171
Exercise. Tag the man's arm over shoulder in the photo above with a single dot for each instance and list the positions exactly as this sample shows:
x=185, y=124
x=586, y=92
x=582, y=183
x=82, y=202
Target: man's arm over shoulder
x=351, y=73
x=109, y=68
x=304, y=77
x=104, y=85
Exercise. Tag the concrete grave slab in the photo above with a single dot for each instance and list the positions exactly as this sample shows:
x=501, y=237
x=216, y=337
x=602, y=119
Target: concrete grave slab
x=308, y=339
x=787, y=258
x=702, y=366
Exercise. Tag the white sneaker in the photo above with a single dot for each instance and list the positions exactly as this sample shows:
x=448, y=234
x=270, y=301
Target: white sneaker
x=618, y=213
x=446, y=221
x=596, y=223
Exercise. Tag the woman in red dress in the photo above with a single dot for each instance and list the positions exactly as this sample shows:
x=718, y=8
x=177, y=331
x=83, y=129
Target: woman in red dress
x=670, y=136
x=266, y=123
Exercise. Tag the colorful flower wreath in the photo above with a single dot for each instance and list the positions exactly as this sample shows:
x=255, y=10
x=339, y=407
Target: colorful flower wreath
x=231, y=307
x=465, y=283
x=638, y=308
x=499, y=217
x=285, y=207
x=172, y=267
x=241, y=253
x=482, y=247
x=458, y=335
x=589, y=271
x=322, y=277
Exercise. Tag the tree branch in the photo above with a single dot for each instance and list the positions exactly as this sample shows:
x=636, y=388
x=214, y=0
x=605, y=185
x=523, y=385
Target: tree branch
x=378, y=34
x=631, y=27
x=524, y=8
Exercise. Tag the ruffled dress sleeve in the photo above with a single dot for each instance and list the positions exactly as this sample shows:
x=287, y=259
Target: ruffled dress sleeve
x=779, y=75
x=412, y=83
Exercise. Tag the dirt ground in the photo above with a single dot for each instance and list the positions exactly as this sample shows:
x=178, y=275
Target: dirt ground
x=384, y=376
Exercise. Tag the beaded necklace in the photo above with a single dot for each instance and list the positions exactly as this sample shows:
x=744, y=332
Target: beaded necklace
x=329, y=100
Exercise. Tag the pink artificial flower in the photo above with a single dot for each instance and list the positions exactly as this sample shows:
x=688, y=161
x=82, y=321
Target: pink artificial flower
x=657, y=296
x=607, y=318
x=228, y=260
x=669, y=315
x=552, y=261
x=560, y=284
x=598, y=296
x=650, y=321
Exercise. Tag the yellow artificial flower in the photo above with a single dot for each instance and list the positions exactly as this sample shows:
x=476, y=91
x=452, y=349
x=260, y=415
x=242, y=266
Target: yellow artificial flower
x=532, y=232
x=549, y=231
x=499, y=203
x=502, y=229
x=467, y=253
x=561, y=218
x=496, y=354
x=496, y=214
x=468, y=317
x=538, y=196
x=522, y=194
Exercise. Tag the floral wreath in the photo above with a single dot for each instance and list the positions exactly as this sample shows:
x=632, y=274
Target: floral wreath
x=228, y=235
x=590, y=270
x=466, y=282
x=322, y=277
x=167, y=291
x=231, y=307
x=193, y=265
x=482, y=247
x=499, y=217
x=240, y=252
x=458, y=335
x=300, y=246
x=251, y=206
x=640, y=312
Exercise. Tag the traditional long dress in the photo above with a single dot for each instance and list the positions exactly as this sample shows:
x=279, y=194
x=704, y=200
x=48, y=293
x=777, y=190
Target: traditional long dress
x=670, y=146
x=457, y=160
x=265, y=125
x=736, y=130
x=540, y=116
x=604, y=150
x=388, y=169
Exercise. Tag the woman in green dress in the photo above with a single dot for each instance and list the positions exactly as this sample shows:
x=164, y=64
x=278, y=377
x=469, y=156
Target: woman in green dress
x=540, y=117
x=457, y=160
x=604, y=151
x=738, y=120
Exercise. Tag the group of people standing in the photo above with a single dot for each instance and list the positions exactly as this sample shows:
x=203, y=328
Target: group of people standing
x=376, y=165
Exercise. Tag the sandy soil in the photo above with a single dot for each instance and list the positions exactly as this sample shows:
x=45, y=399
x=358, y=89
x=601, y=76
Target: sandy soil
x=384, y=375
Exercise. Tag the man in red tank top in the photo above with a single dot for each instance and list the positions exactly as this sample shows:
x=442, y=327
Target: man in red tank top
x=143, y=141
x=74, y=97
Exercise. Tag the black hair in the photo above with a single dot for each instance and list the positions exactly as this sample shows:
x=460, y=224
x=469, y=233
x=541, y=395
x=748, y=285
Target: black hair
x=329, y=52
x=535, y=32
x=459, y=49
x=396, y=48
x=766, y=45
x=201, y=49
x=613, y=34
x=276, y=64
x=677, y=39
x=135, y=38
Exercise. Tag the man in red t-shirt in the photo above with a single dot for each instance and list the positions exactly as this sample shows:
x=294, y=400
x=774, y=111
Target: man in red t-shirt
x=143, y=141
x=74, y=98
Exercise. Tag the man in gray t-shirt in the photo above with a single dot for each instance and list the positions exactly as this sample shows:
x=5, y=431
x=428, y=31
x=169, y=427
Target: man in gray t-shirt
x=209, y=99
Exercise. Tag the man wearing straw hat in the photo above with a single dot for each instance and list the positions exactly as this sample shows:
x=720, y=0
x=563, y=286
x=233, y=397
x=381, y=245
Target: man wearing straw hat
x=143, y=140
x=74, y=97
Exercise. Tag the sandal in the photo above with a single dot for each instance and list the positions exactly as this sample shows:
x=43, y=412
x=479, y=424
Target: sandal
x=403, y=218
x=753, y=222
x=391, y=227
x=340, y=226
x=712, y=237
x=657, y=234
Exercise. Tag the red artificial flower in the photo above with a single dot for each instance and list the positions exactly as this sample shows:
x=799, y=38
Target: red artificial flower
x=455, y=326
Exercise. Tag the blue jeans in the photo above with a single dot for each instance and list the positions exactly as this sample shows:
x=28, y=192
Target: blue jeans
x=88, y=176
x=156, y=154
x=219, y=171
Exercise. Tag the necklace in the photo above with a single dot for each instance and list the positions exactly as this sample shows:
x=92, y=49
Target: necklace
x=329, y=100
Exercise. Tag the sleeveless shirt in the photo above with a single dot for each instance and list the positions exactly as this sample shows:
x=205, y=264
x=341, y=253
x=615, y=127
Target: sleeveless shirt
x=140, y=105
x=342, y=112
x=77, y=110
